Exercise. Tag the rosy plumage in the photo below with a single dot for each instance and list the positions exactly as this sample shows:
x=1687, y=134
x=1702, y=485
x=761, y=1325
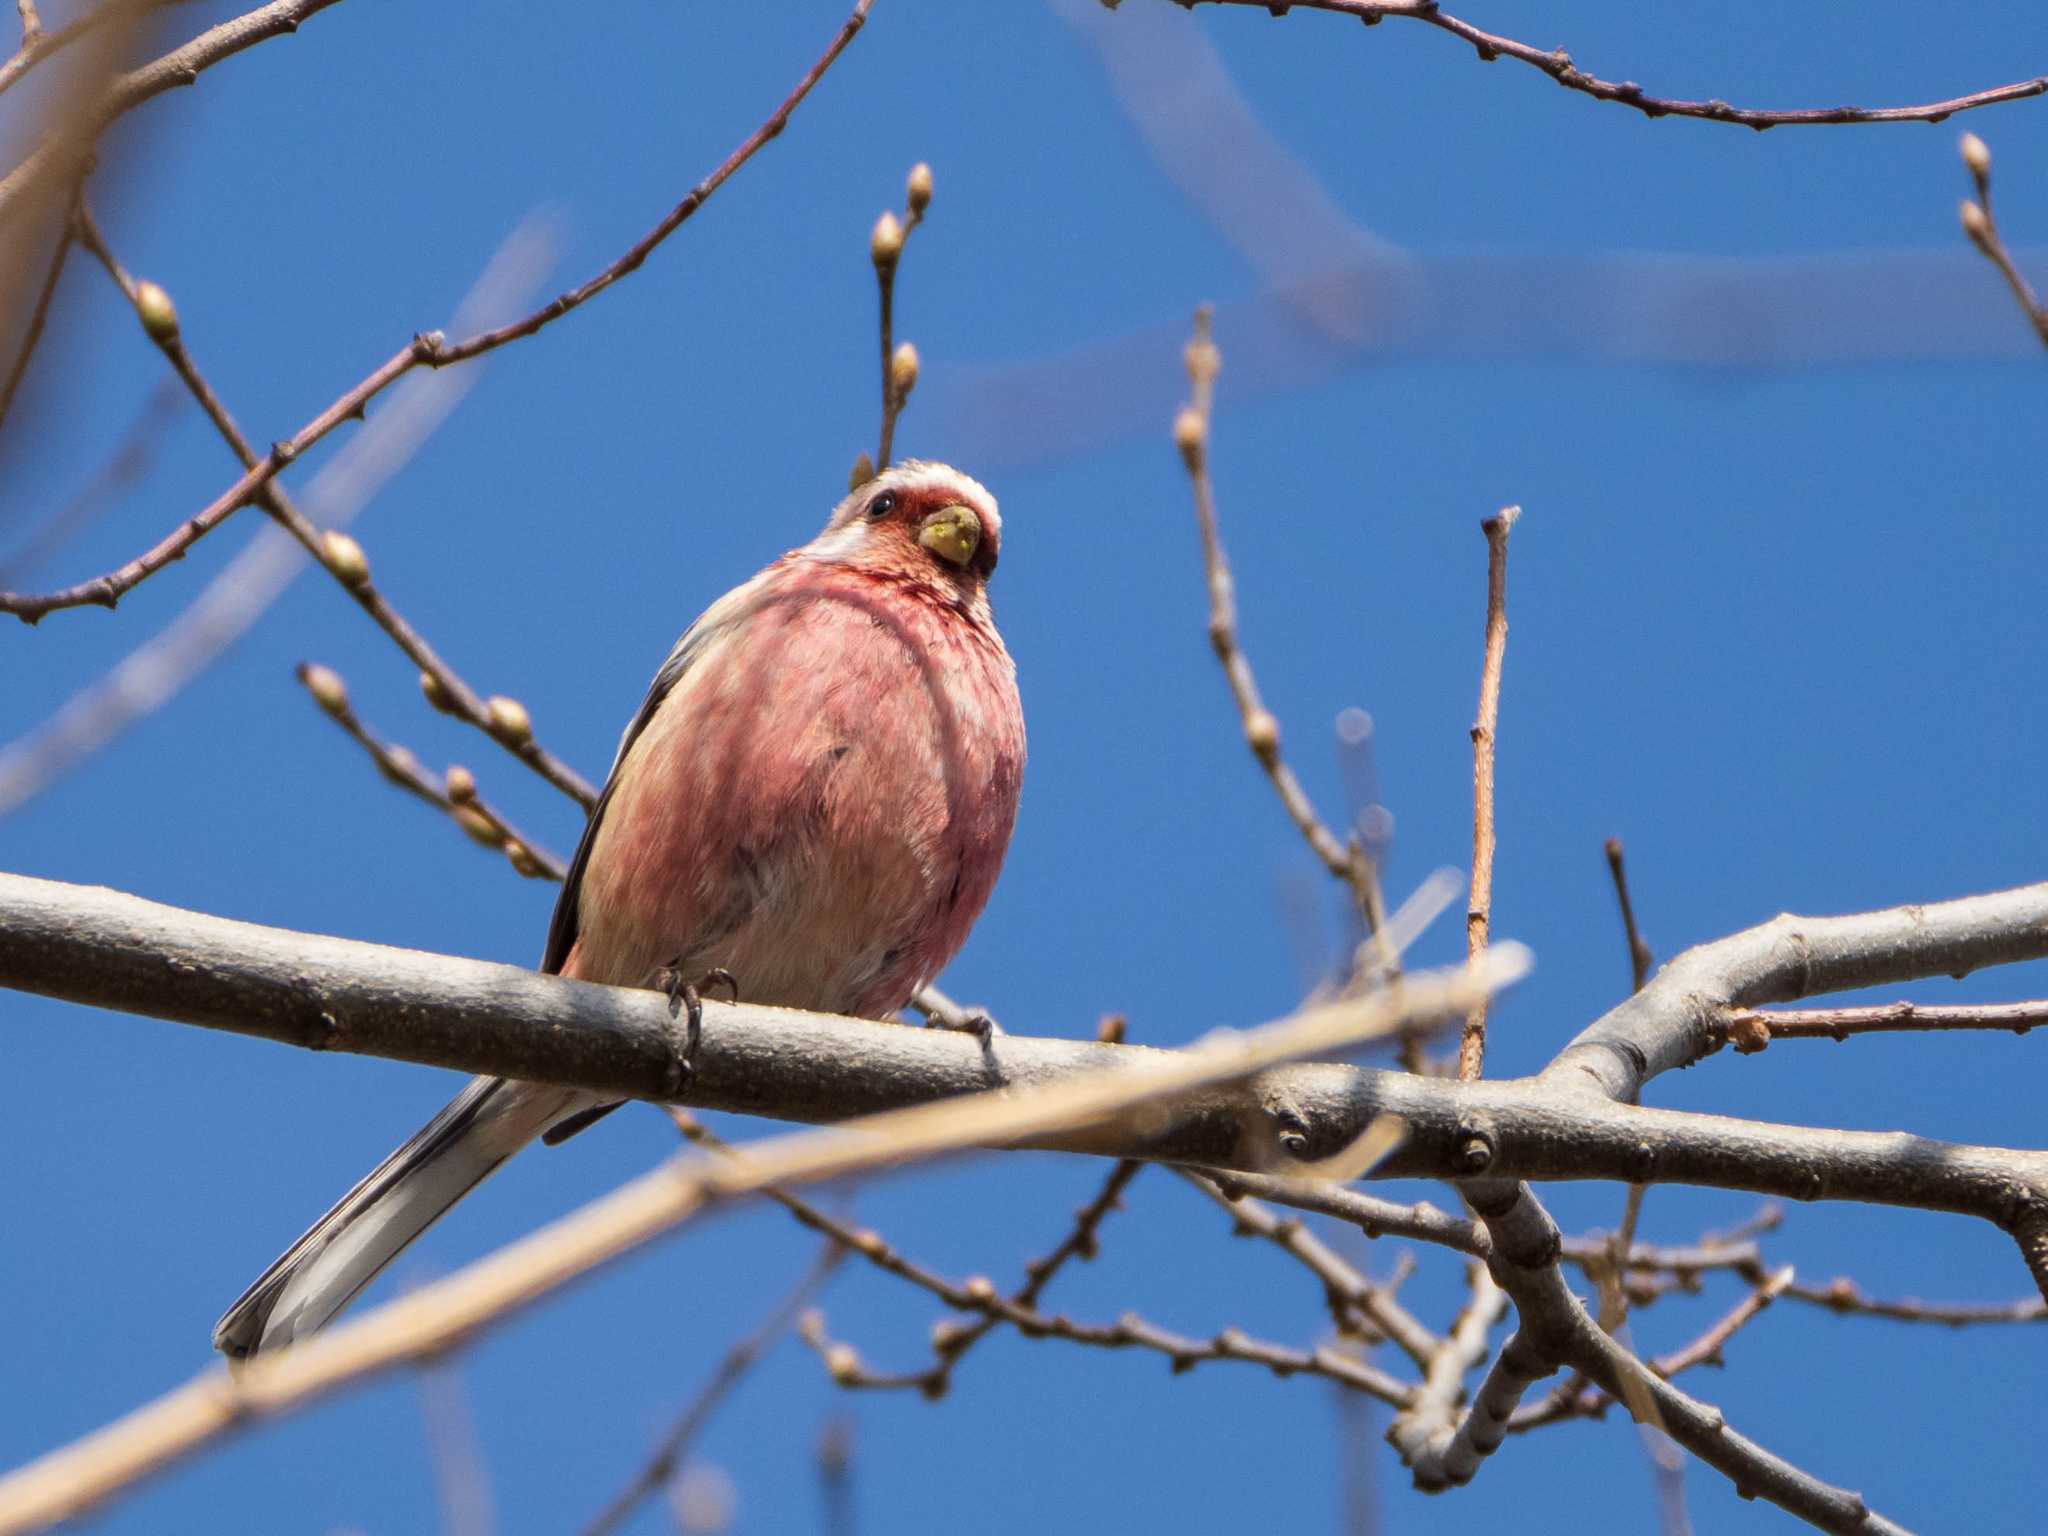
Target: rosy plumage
x=815, y=797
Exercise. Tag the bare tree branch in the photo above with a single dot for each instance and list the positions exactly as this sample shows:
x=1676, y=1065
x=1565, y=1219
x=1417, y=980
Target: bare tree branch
x=1981, y=225
x=1749, y=1030
x=110, y=950
x=429, y=348
x=1640, y=960
x=1557, y=64
x=1191, y=433
x=1479, y=908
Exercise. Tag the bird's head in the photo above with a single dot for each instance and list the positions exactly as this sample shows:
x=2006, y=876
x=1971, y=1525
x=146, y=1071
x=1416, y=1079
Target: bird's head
x=917, y=519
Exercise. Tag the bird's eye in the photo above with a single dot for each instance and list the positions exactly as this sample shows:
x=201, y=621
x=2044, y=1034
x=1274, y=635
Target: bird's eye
x=882, y=505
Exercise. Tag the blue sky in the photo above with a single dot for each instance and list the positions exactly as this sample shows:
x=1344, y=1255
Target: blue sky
x=1775, y=622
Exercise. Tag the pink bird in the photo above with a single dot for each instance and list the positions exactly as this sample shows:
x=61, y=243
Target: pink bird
x=814, y=801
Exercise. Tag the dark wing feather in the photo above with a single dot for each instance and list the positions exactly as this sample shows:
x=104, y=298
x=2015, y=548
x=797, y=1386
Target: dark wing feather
x=566, y=924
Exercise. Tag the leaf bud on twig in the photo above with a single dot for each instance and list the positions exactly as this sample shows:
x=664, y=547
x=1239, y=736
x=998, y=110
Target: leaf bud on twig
x=344, y=557
x=1191, y=436
x=886, y=243
x=436, y=693
x=326, y=686
x=1976, y=155
x=1976, y=224
x=903, y=372
x=158, y=314
x=509, y=721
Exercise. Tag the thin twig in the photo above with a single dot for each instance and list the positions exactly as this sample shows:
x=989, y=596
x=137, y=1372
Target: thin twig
x=503, y=720
x=1750, y=1030
x=1981, y=225
x=1557, y=64
x=107, y=590
x=1843, y=1295
x=1191, y=432
x=1349, y=1294
x=640, y=249
x=1130, y=1331
x=674, y=1449
x=1479, y=911
x=455, y=794
x=1640, y=959
x=1703, y=1350
x=427, y=349
x=950, y=1342
x=885, y=249
x=153, y=672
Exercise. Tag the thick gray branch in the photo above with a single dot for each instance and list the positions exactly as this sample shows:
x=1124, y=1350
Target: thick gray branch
x=110, y=950
x=1672, y=1021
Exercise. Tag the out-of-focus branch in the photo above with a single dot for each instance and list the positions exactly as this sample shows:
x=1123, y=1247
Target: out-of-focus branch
x=38, y=317
x=1479, y=909
x=181, y=66
x=460, y=1478
x=428, y=348
x=1982, y=227
x=38, y=45
x=1557, y=64
x=128, y=463
x=674, y=1450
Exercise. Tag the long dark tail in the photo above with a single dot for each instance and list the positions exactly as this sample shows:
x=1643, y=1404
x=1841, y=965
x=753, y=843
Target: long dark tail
x=404, y=1195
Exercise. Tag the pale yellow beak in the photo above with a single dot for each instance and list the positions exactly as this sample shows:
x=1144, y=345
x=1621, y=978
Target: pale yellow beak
x=952, y=533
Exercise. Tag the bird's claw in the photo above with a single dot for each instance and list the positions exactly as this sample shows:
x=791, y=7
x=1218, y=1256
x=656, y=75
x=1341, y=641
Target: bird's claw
x=687, y=997
x=978, y=1022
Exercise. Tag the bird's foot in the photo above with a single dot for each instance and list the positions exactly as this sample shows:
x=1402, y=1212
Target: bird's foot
x=941, y=1012
x=687, y=997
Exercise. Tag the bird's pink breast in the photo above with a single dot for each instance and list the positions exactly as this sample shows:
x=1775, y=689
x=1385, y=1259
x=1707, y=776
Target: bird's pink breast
x=821, y=804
